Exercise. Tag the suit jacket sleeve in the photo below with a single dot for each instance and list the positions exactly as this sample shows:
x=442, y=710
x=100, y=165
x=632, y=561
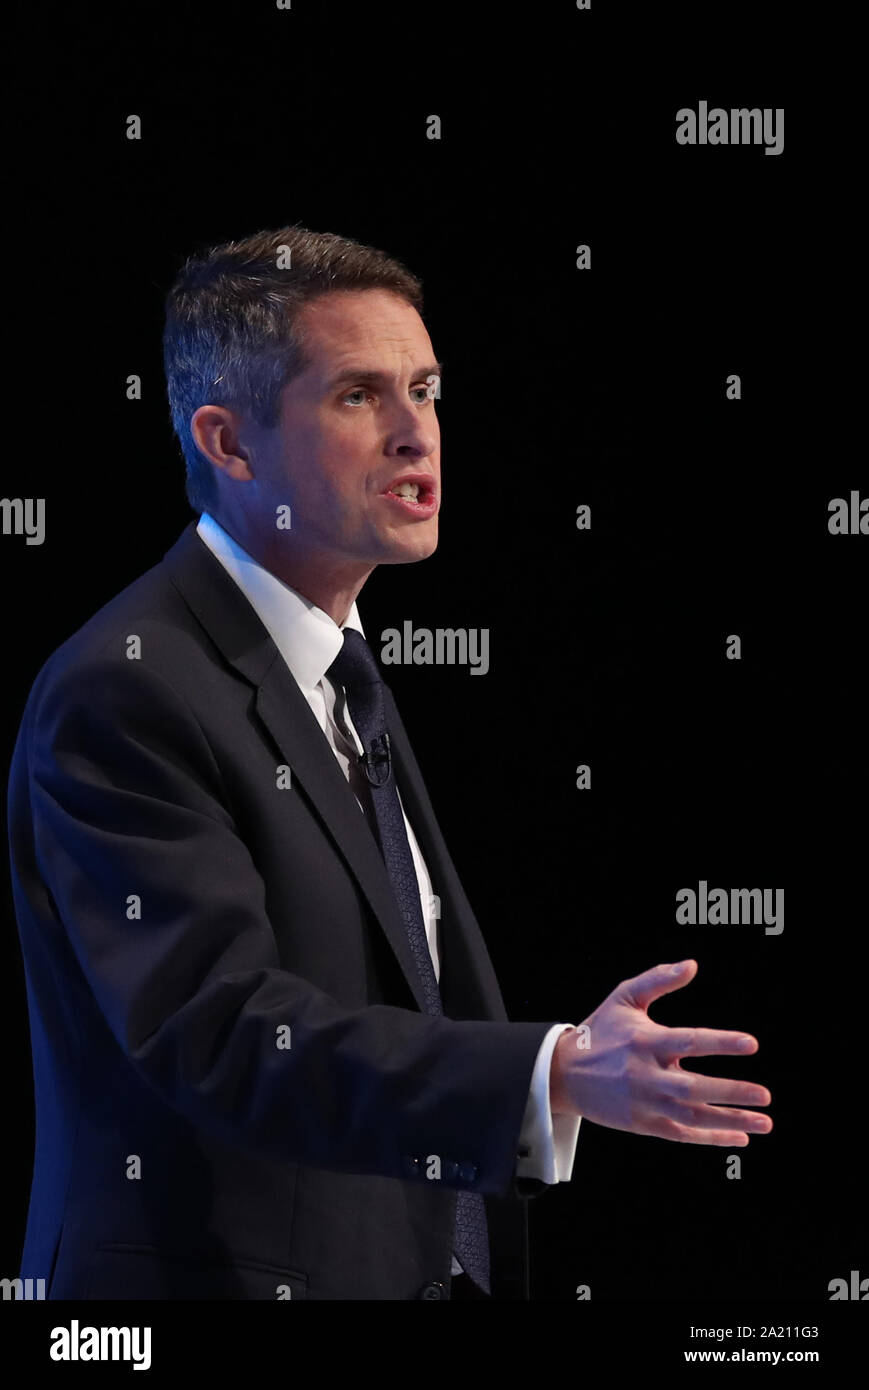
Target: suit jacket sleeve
x=166, y=915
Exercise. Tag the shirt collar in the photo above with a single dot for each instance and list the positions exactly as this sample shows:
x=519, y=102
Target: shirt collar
x=308, y=639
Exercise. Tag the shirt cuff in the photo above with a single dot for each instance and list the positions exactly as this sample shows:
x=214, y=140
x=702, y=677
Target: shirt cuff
x=547, y=1142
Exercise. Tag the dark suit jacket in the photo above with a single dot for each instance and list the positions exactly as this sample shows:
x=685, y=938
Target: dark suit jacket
x=180, y=1151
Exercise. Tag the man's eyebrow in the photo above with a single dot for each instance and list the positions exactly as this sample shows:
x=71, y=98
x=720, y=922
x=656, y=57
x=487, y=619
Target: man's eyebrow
x=378, y=378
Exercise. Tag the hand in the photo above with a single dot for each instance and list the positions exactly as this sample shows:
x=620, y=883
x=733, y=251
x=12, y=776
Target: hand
x=630, y=1076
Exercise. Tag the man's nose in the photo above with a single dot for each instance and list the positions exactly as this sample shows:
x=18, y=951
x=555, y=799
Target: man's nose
x=413, y=435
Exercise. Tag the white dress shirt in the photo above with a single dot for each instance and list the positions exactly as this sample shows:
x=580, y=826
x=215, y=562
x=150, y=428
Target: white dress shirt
x=309, y=640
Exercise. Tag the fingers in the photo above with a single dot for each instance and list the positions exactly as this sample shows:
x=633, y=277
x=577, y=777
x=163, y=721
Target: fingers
x=642, y=990
x=719, y=1118
x=683, y=1134
x=701, y=1042
x=690, y=1087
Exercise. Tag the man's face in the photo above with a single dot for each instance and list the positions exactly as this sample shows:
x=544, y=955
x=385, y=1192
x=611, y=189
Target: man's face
x=358, y=420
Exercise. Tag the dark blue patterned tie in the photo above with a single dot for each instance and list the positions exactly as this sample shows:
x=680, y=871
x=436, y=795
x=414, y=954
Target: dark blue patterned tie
x=356, y=669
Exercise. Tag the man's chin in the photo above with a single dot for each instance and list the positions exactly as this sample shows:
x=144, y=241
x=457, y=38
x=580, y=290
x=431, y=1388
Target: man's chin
x=405, y=550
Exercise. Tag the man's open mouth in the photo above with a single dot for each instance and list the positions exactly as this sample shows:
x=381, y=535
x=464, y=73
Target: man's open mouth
x=416, y=496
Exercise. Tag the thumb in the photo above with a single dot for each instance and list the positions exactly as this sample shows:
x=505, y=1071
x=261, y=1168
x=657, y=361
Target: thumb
x=643, y=990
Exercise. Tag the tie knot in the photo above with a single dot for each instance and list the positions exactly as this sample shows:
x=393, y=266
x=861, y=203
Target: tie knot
x=355, y=665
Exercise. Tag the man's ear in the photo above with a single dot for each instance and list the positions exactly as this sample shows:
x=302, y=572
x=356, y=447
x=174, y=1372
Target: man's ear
x=216, y=434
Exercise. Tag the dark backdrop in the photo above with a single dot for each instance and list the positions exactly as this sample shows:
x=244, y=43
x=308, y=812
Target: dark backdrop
x=561, y=387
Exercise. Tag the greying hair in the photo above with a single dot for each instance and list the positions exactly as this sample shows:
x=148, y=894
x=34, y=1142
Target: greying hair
x=231, y=336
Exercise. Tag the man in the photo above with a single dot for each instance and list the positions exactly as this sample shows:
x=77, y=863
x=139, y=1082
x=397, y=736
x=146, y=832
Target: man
x=270, y=1052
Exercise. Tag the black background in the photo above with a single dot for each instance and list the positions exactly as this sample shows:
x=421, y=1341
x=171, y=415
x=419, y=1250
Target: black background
x=561, y=387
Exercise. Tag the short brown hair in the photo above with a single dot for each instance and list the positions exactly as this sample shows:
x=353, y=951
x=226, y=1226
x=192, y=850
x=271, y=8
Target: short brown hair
x=231, y=337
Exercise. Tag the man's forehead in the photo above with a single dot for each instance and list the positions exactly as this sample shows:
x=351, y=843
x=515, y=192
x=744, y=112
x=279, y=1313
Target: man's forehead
x=344, y=322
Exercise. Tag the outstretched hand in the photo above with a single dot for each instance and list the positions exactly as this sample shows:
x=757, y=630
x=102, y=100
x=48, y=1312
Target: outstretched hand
x=626, y=1072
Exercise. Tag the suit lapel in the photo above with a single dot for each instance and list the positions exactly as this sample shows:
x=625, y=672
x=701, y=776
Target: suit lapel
x=235, y=627
x=468, y=984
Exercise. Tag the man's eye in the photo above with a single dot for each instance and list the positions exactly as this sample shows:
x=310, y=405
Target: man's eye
x=360, y=391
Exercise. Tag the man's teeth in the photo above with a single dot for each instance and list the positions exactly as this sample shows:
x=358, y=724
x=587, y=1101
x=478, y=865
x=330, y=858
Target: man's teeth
x=406, y=490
